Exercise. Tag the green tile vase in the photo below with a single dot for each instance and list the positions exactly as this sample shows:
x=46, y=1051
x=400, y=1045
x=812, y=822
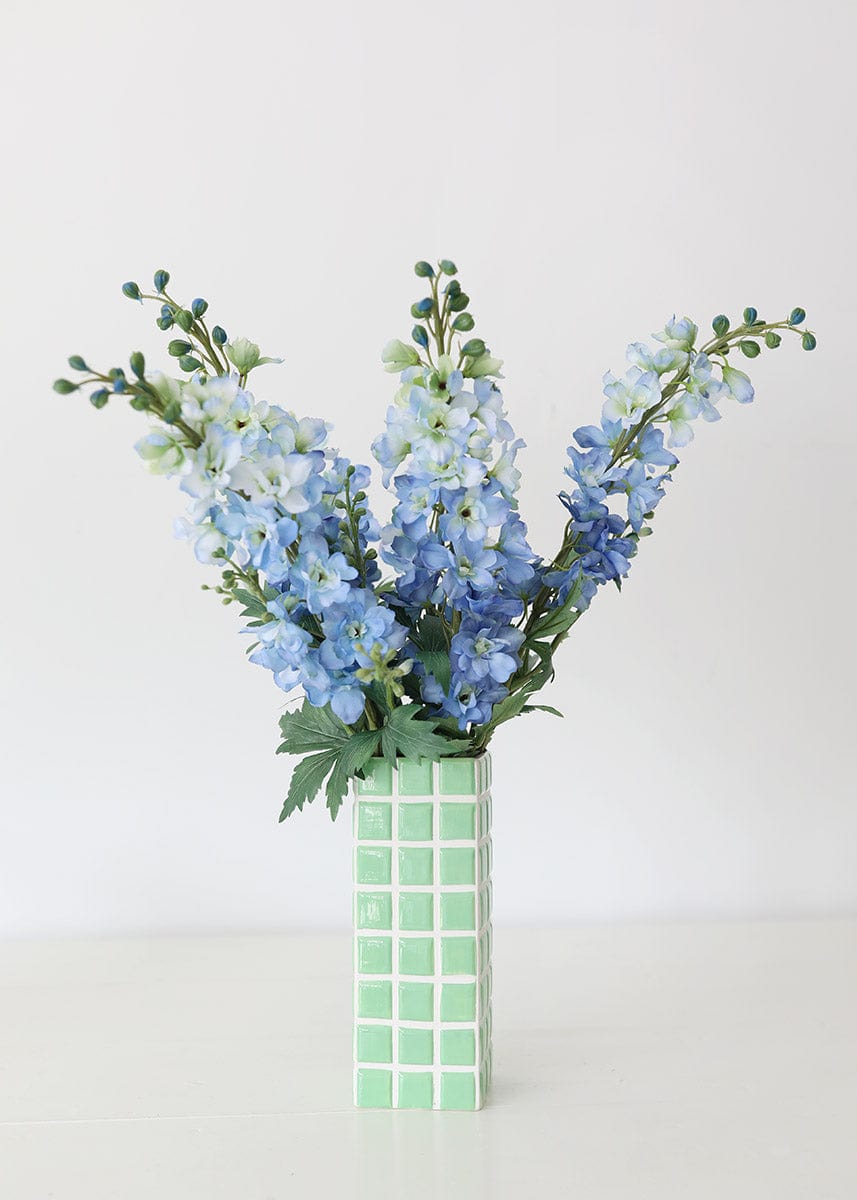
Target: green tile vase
x=422, y=934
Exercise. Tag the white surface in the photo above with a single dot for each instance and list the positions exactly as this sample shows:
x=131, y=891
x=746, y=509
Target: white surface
x=592, y=168
x=693, y=1062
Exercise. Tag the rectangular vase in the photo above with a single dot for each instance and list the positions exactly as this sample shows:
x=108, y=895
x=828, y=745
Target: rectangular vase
x=422, y=934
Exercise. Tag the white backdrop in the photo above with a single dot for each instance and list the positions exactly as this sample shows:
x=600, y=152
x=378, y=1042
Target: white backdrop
x=592, y=168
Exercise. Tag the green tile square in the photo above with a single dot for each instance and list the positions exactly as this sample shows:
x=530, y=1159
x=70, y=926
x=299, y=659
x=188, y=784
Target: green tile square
x=416, y=864
x=375, y=955
x=458, y=821
x=457, y=1047
x=374, y=821
x=457, y=910
x=374, y=910
x=457, y=865
x=416, y=910
x=374, y=1043
x=458, y=1002
x=458, y=1089
x=415, y=822
x=416, y=1089
x=415, y=778
x=416, y=956
x=373, y=864
x=458, y=955
x=457, y=777
x=379, y=779
x=375, y=998
x=374, y=1088
x=416, y=1047
x=416, y=1001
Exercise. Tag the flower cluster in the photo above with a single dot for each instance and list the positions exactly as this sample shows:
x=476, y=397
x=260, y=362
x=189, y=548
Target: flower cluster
x=620, y=467
x=456, y=541
x=265, y=494
x=432, y=660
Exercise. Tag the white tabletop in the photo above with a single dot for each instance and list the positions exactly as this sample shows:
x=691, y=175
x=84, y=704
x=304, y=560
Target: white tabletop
x=700, y=1061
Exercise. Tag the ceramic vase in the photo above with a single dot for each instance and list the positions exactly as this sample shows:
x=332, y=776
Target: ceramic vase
x=422, y=934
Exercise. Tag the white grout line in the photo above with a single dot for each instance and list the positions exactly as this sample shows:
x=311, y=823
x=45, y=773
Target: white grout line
x=435, y=829
x=394, y=904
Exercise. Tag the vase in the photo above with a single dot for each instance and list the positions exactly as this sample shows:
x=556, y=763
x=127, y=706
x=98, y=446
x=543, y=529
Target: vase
x=422, y=934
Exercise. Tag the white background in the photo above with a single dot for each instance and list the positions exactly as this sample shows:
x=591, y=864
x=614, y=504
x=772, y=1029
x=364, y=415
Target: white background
x=592, y=168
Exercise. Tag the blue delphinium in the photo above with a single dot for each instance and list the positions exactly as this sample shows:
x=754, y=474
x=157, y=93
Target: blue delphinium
x=455, y=537
x=431, y=660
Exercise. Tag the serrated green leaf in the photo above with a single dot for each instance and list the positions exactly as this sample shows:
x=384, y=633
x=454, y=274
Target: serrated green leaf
x=307, y=779
x=409, y=737
x=309, y=728
x=352, y=758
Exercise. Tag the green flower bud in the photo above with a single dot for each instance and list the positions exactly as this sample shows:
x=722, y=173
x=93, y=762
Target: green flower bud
x=140, y=403
x=473, y=348
x=132, y=291
x=199, y=307
x=720, y=325
x=177, y=348
x=423, y=307
x=164, y=323
x=396, y=357
x=172, y=412
x=797, y=315
x=420, y=336
x=453, y=288
x=459, y=303
x=77, y=364
x=750, y=315
x=162, y=278
x=65, y=386
x=448, y=267
x=772, y=339
x=184, y=319
x=243, y=354
x=463, y=322
x=808, y=341
x=484, y=365
x=424, y=270
x=750, y=349
x=188, y=362
x=218, y=335
x=138, y=364
x=99, y=397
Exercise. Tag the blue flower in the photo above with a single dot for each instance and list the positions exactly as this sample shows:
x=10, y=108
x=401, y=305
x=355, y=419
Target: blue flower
x=738, y=384
x=319, y=577
x=628, y=398
x=264, y=535
x=484, y=649
x=643, y=492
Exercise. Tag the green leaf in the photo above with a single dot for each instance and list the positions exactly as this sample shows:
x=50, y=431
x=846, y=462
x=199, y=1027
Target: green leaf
x=308, y=728
x=404, y=734
x=432, y=648
x=353, y=756
x=307, y=778
x=556, y=622
x=253, y=606
x=528, y=708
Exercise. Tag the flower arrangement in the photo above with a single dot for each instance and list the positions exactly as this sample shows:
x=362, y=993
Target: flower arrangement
x=429, y=660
